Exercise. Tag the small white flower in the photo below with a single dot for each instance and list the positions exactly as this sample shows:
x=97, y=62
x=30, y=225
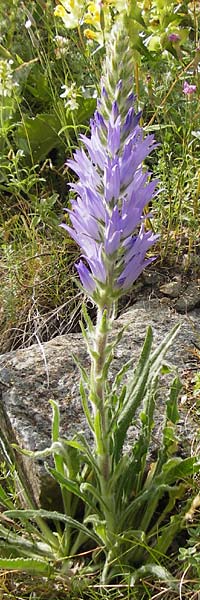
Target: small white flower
x=62, y=46
x=71, y=104
x=71, y=96
x=67, y=90
x=61, y=41
x=28, y=24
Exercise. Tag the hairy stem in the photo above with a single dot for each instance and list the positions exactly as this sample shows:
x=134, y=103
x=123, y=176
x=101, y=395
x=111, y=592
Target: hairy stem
x=101, y=417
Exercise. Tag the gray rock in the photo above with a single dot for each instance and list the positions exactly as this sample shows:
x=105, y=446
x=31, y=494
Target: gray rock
x=150, y=277
x=172, y=289
x=29, y=378
x=189, y=299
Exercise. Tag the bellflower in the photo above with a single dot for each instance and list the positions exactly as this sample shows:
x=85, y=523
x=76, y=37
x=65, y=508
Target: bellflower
x=112, y=190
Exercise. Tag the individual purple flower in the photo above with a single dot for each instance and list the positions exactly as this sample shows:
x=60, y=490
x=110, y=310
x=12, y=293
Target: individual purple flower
x=188, y=88
x=113, y=188
x=85, y=277
x=174, y=38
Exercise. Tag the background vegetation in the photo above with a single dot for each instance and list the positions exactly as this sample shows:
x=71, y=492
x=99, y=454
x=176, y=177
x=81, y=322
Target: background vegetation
x=49, y=78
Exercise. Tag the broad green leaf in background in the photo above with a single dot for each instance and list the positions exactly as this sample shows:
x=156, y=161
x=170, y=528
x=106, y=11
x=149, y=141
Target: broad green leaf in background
x=38, y=135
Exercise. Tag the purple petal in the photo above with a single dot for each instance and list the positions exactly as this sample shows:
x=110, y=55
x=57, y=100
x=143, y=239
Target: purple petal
x=112, y=180
x=114, y=137
x=98, y=268
x=115, y=112
x=85, y=277
x=132, y=271
x=113, y=232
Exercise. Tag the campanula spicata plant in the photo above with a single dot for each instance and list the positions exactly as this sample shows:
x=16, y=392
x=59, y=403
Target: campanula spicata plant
x=120, y=517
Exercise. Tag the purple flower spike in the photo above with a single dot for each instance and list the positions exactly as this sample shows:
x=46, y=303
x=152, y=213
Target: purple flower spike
x=107, y=220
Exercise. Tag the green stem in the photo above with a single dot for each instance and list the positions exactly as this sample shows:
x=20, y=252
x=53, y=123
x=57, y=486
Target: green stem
x=98, y=387
x=101, y=418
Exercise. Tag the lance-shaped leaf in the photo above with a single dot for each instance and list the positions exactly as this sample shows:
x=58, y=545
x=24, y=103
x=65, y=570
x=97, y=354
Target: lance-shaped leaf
x=72, y=487
x=25, y=515
x=31, y=565
x=148, y=368
x=134, y=394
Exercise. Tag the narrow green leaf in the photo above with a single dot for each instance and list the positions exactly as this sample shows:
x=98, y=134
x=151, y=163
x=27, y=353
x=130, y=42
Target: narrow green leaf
x=87, y=319
x=25, y=515
x=107, y=366
x=160, y=352
x=98, y=433
x=133, y=477
x=172, y=410
x=86, y=336
x=73, y=444
x=19, y=544
x=134, y=393
x=142, y=365
x=99, y=526
x=94, y=398
x=55, y=430
x=147, y=368
x=86, y=406
x=33, y=453
x=168, y=444
x=89, y=455
x=115, y=481
x=168, y=534
x=72, y=487
x=121, y=374
x=32, y=565
x=136, y=508
x=157, y=571
x=94, y=492
x=94, y=354
x=82, y=370
x=5, y=499
x=176, y=492
x=105, y=323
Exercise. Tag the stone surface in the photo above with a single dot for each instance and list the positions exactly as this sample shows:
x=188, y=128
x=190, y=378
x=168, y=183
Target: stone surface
x=189, y=299
x=150, y=278
x=172, y=289
x=30, y=378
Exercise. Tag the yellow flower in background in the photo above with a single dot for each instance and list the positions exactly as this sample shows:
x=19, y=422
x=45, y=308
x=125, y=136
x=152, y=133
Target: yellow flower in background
x=92, y=17
x=95, y=14
x=59, y=11
x=90, y=34
x=71, y=12
x=98, y=15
